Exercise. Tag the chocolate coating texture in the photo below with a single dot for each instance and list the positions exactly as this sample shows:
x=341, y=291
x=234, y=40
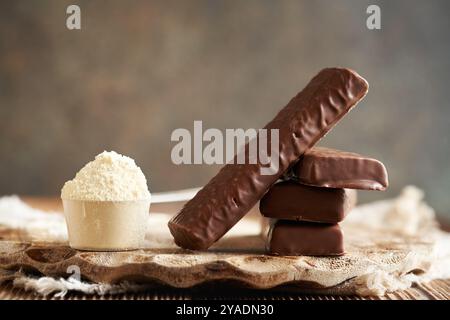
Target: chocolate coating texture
x=330, y=168
x=289, y=238
x=290, y=200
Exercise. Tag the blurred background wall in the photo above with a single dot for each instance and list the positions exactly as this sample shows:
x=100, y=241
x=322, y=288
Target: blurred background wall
x=140, y=69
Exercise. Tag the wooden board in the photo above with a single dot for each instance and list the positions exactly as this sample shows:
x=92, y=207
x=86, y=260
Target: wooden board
x=238, y=260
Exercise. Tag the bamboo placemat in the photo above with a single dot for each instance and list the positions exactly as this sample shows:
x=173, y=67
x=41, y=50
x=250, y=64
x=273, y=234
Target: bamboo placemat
x=434, y=290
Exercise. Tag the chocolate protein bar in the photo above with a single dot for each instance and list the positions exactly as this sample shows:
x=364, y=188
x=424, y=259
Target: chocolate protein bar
x=290, y=238
x=289, y=200
x=324, y=167
x=224, y=200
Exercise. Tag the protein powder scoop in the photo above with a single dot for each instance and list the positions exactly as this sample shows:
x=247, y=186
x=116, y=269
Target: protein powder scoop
x=106, y=205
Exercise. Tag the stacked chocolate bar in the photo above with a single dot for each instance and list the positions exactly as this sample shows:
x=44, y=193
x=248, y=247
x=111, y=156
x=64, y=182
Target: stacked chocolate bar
x=305, y=208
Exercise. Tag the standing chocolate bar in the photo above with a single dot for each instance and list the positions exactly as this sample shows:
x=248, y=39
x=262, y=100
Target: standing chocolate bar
x=238, y=187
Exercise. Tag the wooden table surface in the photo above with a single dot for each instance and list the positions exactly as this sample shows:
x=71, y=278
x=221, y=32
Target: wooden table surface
x=438, y=289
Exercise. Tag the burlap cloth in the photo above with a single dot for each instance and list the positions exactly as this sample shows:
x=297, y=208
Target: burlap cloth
x=390, y=245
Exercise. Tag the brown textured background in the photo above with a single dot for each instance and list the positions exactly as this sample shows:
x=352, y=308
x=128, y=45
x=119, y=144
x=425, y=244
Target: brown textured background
x=140, y=69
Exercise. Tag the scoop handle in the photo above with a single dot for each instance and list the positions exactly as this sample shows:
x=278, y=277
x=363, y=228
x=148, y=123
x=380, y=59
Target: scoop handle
x=174, y=196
